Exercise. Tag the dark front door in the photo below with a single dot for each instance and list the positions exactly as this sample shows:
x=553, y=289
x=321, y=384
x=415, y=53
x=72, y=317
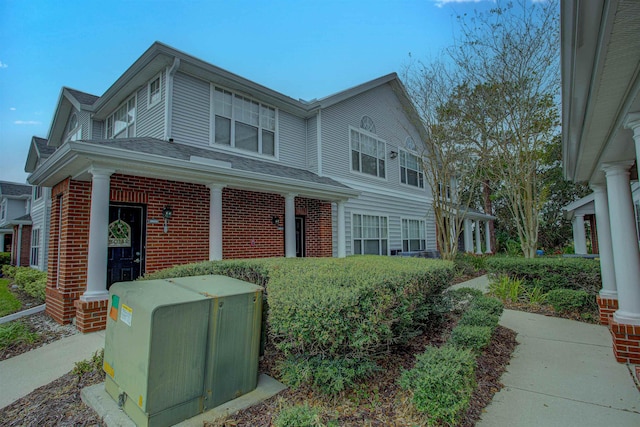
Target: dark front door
x=300, y=236
x=126, y=247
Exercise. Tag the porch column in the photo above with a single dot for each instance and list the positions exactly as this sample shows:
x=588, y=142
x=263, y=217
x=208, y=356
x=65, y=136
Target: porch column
x=624, y=242
x=19, y=247
x=607, y=271
x=215, y=222
x=487, y=238
x=468, y=235
x=290, y=225
x=478, y=240
x=342, y=238
x=579, y=238
x=633, y=122
x=98, y=236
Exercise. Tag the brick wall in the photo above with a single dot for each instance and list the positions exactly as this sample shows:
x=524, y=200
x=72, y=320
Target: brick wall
x=606, y=307
x=91, y=316
x=25, y=246
x=319, y=234
x=626, y=342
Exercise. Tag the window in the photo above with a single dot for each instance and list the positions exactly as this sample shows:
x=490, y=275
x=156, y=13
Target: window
x=3, y=209
x=74, y=131
x=243, y=123
x=367, y=124
x=370, y=235
x=411, y=170
x=410, y=144
x=35, y=246
x=121, y=124
x=637, y=206
x=154, y=92
x=413, y=235
x=37, y=192
x=367, y=154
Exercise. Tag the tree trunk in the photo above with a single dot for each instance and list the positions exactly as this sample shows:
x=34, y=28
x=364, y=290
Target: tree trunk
x=488, y=209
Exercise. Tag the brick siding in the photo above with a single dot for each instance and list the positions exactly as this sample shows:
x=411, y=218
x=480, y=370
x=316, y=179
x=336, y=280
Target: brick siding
x=606, y=307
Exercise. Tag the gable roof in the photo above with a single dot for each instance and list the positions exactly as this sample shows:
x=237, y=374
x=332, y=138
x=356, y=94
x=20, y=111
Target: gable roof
x=38, y=150
x=82, y=97
x=14, y=189
x=68, y=100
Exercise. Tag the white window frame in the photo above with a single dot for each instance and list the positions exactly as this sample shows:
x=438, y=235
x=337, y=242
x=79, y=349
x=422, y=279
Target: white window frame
x=384, y=233
x=130, y=127
x=75, y=133
x=3, y=210
x=37, y=192
x=405, y=175
x=150, y=102
x=422, y=223
x=358, y=171
x=233, y=119
x=36, y=240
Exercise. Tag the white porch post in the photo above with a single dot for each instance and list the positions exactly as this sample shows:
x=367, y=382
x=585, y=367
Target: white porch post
x=468, y=236
x=607, y=271
x=215, y=222
x=290, y=225
x=342, y=244
x=624, y=242
x=478, y=240
x=19, y=247
x=98, y=236
x=487, y=238
x=633, y=122
x=579, y=238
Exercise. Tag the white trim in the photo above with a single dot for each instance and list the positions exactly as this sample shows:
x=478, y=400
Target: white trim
x=38, y=246
x=419, y=170
x=374, y=214
x=374, y=189
x=319, y=141
x=151, y=104
x=378, y=139
x=133, y=124
x=423, y=220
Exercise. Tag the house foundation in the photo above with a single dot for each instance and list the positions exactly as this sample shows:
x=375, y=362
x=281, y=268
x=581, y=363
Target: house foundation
x=606, y=307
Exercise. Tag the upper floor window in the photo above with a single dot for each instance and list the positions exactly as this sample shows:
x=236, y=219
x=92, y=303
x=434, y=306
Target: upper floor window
x=154, y=92
x=121, y=124
x=368, y=154
x=413, y=235
x=74, y=131
x=370, y=235
x=410, y=144
x=243, y=123
x=35, y=246
x=3, y=210
x=411, y=170
x=367, y=124
x=37, y=192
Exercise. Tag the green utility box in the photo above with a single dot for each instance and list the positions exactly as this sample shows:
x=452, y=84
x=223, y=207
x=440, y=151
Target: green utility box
x=177, y=347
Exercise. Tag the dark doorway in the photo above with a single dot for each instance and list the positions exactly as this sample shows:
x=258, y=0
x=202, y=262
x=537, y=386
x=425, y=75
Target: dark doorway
x=300, y=237
x=126, y=243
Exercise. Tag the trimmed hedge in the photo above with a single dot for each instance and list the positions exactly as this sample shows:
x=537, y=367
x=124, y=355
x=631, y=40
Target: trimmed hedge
x=33, y=282
x=549, y=273
x=565, y=300
x=5, y=259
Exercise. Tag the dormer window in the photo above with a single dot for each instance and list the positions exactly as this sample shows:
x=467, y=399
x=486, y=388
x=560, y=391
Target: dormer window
x=121, y=124
x=74, y=131
x=154, y=92
x=367, y=124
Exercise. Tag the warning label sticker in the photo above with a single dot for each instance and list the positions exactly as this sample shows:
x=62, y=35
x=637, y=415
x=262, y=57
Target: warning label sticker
x=126, y=313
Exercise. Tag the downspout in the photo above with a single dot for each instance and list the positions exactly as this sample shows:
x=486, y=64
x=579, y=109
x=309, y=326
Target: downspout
x=319, y=141
x=168, y=101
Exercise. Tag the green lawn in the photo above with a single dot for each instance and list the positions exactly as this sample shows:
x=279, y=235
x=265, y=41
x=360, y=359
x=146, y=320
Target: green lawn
x=8, y=302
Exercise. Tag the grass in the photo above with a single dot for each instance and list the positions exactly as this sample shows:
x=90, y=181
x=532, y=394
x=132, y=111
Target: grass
x=8, y=302
x=15, y=332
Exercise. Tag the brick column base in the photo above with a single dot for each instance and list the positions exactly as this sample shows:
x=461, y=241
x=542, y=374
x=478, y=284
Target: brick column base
x=606, y=307
x=626, y=342
x=91, y=316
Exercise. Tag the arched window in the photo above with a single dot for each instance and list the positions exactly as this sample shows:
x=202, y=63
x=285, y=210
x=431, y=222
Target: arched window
x=73, y=122
x=410, y=144
x=367, y=124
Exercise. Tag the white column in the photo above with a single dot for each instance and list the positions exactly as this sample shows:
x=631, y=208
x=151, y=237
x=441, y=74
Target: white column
x=579, y=237
x=19, y=247
x=342, y=238
x=607, y=271
x=290, y=225
x=468, y=235
x=624, y=242
x=633, y=122
x=478, y=240
x=98, y=236
x=487, y=237
x=215, y=222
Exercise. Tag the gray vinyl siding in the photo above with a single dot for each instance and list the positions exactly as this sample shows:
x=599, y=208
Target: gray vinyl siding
x=84, y=118
x=395, y=209
x=150, y=120
x=191, y=105
x=292, y=140
x=97, y=131
x=392, y=126
x=40, y=215
x=312, y=144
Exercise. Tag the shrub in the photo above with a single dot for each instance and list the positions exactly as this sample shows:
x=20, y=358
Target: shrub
x=469, y=264
x=298, y=416
x=442, y=383
x=9, y=271
x=16, y=332
x=488, y=304
x=507, y=289
x=95, y=364
x=549, y=273
x=254, y=271
x=564, y=300
x=5, y=259
x=329, y=376
x=471, y=337
x=477, y=317
x=33, y=282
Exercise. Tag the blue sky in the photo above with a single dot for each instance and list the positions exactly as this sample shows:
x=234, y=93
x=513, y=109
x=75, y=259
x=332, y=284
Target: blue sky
x=304, y=49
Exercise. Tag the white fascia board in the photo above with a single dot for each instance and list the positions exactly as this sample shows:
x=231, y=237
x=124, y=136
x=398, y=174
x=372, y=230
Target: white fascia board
x=375, y=189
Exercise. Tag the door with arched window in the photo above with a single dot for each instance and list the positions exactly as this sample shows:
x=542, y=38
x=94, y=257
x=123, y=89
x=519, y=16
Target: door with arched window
x=126, y=243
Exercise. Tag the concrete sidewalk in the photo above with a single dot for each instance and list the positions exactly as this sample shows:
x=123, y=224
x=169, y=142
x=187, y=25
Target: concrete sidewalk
x=22, y=374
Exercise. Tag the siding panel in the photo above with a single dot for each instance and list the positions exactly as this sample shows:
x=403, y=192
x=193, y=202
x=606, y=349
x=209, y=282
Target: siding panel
x=191, y=107
x=312, y=144
x=292, y=137
x=150, y=121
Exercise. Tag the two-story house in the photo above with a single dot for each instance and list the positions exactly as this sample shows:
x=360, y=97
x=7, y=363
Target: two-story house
x=181, y=161
x=15, y=221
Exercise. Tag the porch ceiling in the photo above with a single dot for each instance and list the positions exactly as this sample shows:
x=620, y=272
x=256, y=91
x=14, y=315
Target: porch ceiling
x=600, y=73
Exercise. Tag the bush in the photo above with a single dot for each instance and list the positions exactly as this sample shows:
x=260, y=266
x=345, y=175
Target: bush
x=329, y=376
x=442, y=383
x=16, y=332
x=565, y=300
x=488, y=304
x=5, y=259
x=507, y=289
x=254, y=271
x=33, y=282
x=298, y=416
x=549, y=273
x=9, y=271
x=468, y=264
x=477, y=317
x=474, y=338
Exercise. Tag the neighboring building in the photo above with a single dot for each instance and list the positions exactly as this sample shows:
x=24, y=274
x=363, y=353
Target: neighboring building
x=15, y=222
x=601, y=147
x=180, y=161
